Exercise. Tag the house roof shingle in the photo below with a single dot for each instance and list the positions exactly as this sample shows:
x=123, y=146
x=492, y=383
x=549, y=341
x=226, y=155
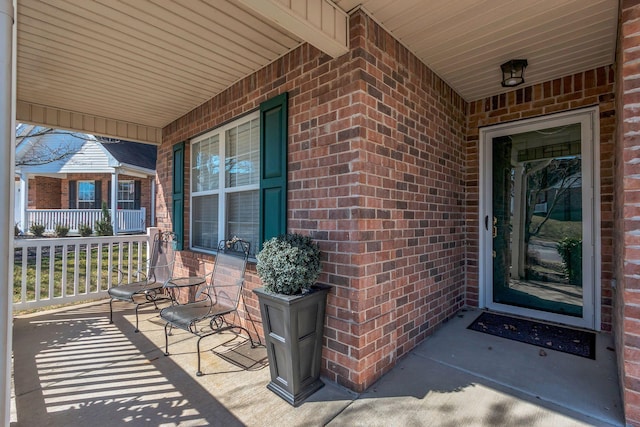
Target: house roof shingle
x=126, y=153
x=132, y=153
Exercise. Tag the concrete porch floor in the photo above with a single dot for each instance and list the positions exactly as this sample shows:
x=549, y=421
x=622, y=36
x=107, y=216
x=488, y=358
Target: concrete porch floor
x=72, y=368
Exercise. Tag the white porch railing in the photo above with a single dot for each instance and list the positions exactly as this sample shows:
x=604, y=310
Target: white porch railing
x=51, y=271
x=129, y=220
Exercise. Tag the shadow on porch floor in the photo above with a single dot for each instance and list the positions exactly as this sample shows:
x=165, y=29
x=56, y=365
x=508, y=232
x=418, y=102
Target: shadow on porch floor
x=72, y=368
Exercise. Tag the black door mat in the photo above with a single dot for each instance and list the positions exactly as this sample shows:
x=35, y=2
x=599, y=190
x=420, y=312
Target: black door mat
x=572, y=341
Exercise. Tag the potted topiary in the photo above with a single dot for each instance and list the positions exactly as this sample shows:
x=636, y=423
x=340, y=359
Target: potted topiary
x=292, y=306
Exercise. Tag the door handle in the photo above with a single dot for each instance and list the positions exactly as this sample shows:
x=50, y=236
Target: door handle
x=486, y=222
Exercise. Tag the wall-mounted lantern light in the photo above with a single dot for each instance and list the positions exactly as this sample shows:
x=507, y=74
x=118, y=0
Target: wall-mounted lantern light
x=513, y=72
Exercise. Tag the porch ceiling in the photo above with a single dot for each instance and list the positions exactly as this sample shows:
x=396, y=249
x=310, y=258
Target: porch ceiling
x=465, y=41
x=126, y=68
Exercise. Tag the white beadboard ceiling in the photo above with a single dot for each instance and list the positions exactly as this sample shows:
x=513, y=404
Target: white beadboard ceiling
x=139, y=61
x=148, y=62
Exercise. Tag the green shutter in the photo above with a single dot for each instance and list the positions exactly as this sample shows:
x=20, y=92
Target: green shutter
x=137, y=193
x=73, y=187
x=177, y=206
x=273, y=170
x=97, y=195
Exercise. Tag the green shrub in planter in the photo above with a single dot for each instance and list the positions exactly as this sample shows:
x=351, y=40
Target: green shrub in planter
x=289, y=264
x=61, y=230
x=37, y=230
x=85, y=230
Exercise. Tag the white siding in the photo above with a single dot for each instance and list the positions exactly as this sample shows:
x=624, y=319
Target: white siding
x=86, y=155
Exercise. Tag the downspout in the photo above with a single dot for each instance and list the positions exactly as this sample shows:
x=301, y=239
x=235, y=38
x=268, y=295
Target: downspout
x=7, y=142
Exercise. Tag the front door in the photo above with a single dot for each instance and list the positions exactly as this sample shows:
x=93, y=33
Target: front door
x=538, y=218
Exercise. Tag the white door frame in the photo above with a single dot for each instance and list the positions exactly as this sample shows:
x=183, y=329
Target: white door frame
x=591, y=239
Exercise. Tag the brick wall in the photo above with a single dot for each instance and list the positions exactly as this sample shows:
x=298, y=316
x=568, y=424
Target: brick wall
x=589, y=88
x=408, y=250
x=627, y=197
x=376, y=141
x=44, y=193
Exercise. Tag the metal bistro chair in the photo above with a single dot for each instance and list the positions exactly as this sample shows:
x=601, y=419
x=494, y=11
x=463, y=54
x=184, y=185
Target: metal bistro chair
x=218, y=297
x=159, y=271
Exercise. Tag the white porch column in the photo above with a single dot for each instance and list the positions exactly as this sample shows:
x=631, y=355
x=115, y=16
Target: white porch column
x=114, y=202
x=7, y=152
x=24, y=194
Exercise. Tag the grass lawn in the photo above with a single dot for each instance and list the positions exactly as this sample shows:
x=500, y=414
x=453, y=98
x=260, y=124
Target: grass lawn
x=555, y=230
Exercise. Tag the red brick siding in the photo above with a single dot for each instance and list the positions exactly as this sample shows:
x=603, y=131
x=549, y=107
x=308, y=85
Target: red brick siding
x=409, y=207
x=44, y=193
x=627, y=196
x=376, y=141
x=589, y=88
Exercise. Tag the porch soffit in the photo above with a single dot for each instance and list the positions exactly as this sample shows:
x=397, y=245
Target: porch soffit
x=134, y=63
x=127, y=68
x=465, y=41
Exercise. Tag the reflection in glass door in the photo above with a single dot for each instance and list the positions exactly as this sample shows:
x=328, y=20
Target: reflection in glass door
x=539, y=222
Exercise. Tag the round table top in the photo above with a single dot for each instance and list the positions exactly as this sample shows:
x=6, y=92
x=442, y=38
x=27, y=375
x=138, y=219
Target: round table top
x=186, y=281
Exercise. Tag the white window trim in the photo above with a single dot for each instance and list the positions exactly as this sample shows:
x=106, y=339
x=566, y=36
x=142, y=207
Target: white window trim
x=221, y=191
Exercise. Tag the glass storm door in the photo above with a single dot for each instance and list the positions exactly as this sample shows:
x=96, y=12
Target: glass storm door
x=538, y=222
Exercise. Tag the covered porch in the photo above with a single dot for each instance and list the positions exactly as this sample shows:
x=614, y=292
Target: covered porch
x=74, y=368
x=384, y=109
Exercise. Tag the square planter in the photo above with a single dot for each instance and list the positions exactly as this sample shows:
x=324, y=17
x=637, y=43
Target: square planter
x=293, y=330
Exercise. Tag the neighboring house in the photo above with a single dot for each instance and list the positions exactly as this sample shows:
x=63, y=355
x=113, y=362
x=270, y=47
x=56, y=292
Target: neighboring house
x=64, y=178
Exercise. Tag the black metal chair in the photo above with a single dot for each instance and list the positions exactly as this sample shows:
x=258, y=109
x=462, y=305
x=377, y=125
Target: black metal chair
x=159, y=270
x=217, y=298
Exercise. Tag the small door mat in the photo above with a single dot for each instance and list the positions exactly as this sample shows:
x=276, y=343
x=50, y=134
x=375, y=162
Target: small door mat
x=572, y=341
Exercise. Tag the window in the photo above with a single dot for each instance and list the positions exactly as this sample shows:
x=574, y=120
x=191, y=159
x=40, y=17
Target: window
x=238, y=180
x=225, y=183
x=86, y=194
x=126, y=194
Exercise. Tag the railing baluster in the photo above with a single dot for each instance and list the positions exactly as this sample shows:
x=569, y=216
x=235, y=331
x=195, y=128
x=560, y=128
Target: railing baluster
x=120, y=247
x=76, y=270
x=38, y=272
x=87, y=270
x=110, y=267
x=25, y=260
x=52, y=265
x=130, y=260
x=64, y=270
x=99, y=268
x=140, y=258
